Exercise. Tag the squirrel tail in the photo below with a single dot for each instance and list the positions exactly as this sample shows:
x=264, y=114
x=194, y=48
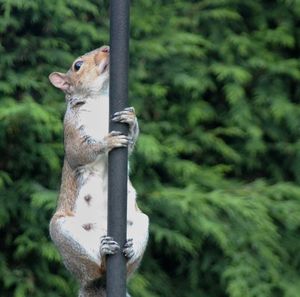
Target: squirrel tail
x=95, y=289
x=92, y=292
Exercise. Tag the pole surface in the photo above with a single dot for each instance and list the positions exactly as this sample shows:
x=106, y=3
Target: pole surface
x=118, y=158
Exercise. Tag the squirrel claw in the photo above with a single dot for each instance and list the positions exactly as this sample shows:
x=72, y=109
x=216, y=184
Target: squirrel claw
x=131, y=109
x=108, y=246
x=125, y=116
x=117, y=139
x=128, y=250
x=115, y=133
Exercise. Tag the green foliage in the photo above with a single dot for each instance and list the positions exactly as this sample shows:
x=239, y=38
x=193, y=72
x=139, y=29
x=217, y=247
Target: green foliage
x=217, y=166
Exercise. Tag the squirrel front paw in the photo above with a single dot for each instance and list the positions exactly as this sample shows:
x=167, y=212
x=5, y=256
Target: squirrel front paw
x=128, y=250
x=116, y=139
x=125, y=116
x=108, y=246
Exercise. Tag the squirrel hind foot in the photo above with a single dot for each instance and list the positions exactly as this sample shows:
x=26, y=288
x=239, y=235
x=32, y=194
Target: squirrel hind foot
x=108, y=246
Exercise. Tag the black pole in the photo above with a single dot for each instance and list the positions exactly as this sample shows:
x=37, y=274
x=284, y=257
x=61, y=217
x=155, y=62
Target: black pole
x=118, y=158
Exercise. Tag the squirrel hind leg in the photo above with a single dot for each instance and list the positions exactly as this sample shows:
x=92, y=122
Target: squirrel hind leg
x=79, y=248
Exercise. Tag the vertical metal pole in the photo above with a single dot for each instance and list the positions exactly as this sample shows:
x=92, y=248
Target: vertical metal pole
x=118, y=158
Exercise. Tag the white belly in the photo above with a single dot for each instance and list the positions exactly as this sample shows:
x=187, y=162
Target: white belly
x=94, y=118
x=91, y=203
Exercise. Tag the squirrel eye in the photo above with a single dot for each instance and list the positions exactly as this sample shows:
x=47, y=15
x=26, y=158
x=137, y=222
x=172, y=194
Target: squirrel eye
x=77, y=65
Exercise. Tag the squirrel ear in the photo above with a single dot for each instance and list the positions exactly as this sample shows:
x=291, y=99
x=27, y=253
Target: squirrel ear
x=60, y=81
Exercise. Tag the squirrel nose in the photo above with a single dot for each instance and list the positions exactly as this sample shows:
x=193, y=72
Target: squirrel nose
x=105, y=49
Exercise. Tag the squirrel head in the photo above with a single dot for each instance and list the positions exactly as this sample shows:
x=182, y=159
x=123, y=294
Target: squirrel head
x=88, y=74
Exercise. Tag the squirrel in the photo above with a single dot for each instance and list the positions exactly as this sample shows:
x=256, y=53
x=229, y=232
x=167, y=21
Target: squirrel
x=78, y=227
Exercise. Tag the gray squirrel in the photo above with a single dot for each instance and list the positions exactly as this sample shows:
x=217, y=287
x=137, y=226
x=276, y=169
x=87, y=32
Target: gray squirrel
x=79, y=226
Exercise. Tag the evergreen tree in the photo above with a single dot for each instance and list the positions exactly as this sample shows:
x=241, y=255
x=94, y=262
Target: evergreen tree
x=216, y=88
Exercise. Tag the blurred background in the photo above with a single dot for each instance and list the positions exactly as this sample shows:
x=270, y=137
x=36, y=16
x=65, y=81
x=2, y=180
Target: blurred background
x=215, y=84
